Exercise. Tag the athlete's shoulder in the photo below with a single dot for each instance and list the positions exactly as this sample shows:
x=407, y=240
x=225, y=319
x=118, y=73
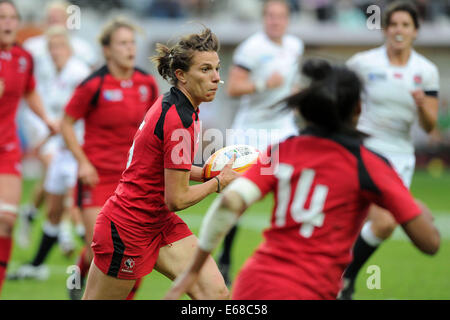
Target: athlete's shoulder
x=294, y=42
x=423, y=62
x=176, y=110
x=95, y=76
x=143, y=75
x=368, y=56
x=20, y=51
x=253, y=42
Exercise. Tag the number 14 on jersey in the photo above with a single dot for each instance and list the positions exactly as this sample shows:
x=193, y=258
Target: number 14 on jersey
x=309, y=218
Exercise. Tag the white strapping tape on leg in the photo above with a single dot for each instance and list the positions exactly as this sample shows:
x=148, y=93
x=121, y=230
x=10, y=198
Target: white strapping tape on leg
x=10, y=208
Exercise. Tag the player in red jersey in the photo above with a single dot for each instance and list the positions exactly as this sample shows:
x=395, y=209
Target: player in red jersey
x=16, y=81
x=324, y=181
x=113, y=102
x=137, y=230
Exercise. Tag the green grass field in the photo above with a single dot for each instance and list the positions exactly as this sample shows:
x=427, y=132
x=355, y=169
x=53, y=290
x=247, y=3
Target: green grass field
x=405, y=272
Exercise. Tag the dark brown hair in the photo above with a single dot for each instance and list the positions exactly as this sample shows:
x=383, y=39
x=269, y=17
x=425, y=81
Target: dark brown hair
x=179, y=56
x=397, y=6
x=12, y=4
x=111, y=27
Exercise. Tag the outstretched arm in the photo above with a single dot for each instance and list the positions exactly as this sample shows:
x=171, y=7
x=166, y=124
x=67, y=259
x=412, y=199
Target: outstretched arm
x=220, y=218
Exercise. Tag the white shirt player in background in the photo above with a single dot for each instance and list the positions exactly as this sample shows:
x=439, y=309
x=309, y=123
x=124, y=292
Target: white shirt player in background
x=34, y=132
x=265, y=70
x=66, y=73
x=401, y=87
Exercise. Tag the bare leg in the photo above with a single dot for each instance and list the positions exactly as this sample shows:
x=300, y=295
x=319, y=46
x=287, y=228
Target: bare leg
x=174, y=258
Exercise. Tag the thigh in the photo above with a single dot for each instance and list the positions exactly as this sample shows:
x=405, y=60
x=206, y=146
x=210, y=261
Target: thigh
x=175, y=257
x=100, y=286
x=10, y=188
x=89, y=215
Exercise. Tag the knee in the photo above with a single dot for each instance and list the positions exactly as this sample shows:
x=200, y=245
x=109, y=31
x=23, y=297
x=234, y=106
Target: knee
x=8, y=217
x=215, y=290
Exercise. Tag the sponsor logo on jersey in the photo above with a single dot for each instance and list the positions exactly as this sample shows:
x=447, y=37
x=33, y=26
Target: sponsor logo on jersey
x=23, y=63
x=113, y=95
x=126, y=83
x=143, y=91
x=374, y=76
x=417, y=79
x=128, y=265
x=398, y=75
x=5, y=55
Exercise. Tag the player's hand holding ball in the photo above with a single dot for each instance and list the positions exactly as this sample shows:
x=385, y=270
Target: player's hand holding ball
x=228, y=163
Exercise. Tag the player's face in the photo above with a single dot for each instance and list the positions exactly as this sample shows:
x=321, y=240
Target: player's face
x=9, y=23
x=401, y=31
x=276, y=20
x=122, y=49
x=202, y=79
x=60, y=50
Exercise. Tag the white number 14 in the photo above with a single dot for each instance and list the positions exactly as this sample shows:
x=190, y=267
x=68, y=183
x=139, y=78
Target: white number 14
x=309, y=218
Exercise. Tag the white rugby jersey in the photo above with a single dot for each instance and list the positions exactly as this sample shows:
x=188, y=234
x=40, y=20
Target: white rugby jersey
x=388, y=109
x=262, y=57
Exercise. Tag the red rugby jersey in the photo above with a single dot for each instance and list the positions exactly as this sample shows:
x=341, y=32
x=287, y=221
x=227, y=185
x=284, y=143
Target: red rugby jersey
x=112, y=110
x=16, y=71
x=168, y=138
x=323, y=187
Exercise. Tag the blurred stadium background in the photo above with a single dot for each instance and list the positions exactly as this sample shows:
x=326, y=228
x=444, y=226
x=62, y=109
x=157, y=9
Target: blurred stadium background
x=331, y=29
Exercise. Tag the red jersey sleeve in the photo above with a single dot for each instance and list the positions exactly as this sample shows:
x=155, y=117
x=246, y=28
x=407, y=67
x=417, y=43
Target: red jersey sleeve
x=178, y=143
x=388, y=190
x=80, y=103
x=262, y=172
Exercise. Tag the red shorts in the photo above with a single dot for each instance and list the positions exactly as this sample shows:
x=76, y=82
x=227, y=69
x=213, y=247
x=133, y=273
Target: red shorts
x=132, y=253
x=11, y=159
x=88, y=197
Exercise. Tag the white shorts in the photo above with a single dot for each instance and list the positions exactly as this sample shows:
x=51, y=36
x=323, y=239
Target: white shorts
x=34, y=129
x=61, y=173
x=403, y=163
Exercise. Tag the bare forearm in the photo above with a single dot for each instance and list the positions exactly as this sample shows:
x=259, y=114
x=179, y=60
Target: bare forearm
x=71, y=140
x=428, y=113
x=35, y=103
x=194, y=194
x=196, y=174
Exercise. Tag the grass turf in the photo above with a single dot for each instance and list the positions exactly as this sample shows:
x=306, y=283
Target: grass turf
x=405, y=272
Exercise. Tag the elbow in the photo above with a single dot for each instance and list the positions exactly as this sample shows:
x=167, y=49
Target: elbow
x=434, y=244
x=173, y=204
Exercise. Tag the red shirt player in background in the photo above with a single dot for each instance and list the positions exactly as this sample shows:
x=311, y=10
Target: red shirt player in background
x=113, y=102
x=16, y=81
x=137, y=229
x=324, y=181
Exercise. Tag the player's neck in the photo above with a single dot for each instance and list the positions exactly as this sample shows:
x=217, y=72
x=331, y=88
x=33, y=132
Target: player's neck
x=398, y=57
x=5, y=47
x=190, y=98
x=118, y=72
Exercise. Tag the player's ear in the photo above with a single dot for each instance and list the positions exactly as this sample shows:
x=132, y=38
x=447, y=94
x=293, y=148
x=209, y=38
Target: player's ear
x=181, y=76
x=356, y=113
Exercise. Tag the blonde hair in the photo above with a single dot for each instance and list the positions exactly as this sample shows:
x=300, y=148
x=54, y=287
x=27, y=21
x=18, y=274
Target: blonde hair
x=112, y=26
x=179, y=56
x=58, y=30
x=58, y=4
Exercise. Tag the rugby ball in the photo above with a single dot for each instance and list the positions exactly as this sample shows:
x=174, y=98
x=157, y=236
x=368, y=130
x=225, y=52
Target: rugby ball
x=246, y=156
